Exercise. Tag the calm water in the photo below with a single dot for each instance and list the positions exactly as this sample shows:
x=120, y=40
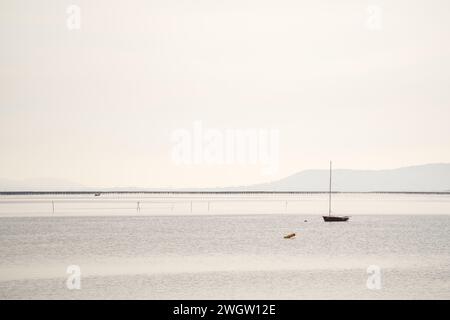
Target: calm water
x=226, y=257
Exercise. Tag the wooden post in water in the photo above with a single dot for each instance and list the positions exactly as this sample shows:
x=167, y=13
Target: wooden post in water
x=53, y=207
x=285, y=206
x=138, y=208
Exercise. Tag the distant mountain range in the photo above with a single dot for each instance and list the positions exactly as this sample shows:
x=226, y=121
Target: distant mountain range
x=46, y=184
x=421, y=178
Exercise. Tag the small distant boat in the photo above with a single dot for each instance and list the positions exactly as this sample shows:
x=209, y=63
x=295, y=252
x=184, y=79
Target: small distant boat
x=97, y=194
x=335, y=218
x=329, y=217
x=289, y=236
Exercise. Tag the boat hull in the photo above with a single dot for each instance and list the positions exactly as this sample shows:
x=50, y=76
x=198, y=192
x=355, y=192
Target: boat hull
x=335, y=218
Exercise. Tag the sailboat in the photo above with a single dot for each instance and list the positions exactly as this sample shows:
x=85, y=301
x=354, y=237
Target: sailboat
x=329, y=217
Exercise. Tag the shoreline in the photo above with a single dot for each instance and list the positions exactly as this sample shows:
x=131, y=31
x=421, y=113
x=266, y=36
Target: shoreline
x=12, y=193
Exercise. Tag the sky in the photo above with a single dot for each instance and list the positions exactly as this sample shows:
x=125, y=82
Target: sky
x=145, y=93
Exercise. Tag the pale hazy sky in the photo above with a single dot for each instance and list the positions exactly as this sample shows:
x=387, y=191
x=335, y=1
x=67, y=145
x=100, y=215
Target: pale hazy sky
x=98, y=105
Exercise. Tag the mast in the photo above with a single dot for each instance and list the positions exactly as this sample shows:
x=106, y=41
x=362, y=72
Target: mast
x=329, y=195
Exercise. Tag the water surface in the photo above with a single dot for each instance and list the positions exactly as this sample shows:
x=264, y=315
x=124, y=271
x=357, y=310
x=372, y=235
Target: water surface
x=225, y=257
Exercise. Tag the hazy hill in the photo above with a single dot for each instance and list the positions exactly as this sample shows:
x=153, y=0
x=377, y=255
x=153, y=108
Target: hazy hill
x=422, y=178
x=427, y=178
x=39, y=185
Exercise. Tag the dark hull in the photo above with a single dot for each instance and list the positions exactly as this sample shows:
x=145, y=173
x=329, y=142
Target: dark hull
x=335, y=218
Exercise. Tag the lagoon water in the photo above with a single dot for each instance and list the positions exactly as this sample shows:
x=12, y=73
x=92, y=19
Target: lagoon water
x=234, y=250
